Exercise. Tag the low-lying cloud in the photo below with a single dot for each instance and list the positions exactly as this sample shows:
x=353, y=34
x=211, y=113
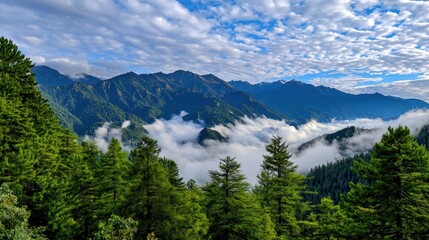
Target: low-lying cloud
x=105, y=133
x=248, y=137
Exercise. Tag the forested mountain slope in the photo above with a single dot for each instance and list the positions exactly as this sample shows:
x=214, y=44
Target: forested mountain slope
x=146, y=97
x=301, y=102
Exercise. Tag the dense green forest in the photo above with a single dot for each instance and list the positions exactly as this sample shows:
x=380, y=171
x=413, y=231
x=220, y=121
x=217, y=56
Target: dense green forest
x=55, y=187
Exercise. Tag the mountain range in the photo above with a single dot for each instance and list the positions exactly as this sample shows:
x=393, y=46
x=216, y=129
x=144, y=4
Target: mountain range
x=300, y=102
x=84, y=102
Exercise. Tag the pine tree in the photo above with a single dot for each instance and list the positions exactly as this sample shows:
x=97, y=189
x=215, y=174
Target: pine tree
x=17, y=154
x=232, y=210
x=29, y=135
x=73, y=213
x=152, y=200
x=330, y=220
x=394, y=203
x=172, y=172
x=191, y=218
x=279, y=188
x=112, y=179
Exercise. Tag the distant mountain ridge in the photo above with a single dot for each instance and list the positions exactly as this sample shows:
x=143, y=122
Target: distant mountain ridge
x=340, y=137
x=146, y=97
x=49, y=77
x=85, y=102
x=301, y=102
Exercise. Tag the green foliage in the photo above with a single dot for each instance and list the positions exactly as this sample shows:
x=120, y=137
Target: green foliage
x=155, y=203
x=116, y=228
x=280, y=189
x=78, y=192
x=423, y=136
x=393, y=204
x=172, y=172
x=332, y=179
x=14, y=220
x=331, y=220
x=29, y=135
x=16, y=143
x=233, y=211
x=191, y=217
x=73, y=213
x=112, y=179
x=211, y=134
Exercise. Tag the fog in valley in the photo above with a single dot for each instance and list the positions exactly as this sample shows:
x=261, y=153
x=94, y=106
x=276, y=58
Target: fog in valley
x=247, y=139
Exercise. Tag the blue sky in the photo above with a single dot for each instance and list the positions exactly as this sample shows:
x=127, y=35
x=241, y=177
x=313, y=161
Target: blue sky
x=356, y=46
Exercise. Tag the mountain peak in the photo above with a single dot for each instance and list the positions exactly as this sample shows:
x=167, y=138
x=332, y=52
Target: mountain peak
x=294, y=81
x=50, y=77
x=127, y=74
x=180, y=71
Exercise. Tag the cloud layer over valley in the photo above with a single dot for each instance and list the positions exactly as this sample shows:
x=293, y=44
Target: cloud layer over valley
x=248, y=137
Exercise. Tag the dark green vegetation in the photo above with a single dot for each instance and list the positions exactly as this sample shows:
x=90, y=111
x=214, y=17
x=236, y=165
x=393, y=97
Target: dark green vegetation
x=332, y=179
x=54, y=187
x=88, y=102
x=300, y=102
x=210, y=134
x=340, y=137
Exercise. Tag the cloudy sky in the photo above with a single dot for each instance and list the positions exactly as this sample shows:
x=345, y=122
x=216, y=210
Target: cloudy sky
x=356, y=46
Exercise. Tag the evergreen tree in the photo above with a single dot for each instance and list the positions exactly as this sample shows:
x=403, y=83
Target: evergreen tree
x=153, y=201
x=91, y=155
x=172, y=172
x=394, y=203
x=73, y=213
x=112, y=179
x=29, y=135
x=332, y=179
x=279, y=188
x=330, y=221
x=231, y=209
x=191, y=217
x=17, y=153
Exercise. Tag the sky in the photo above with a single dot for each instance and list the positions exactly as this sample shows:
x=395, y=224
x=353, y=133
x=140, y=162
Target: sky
x=356, y=46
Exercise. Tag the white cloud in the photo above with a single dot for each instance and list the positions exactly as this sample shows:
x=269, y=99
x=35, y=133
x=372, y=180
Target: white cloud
x=245, y=39
x=104, y=134
x=348, y=83
x=126, y=124
x=417, y=89
x=248, y=137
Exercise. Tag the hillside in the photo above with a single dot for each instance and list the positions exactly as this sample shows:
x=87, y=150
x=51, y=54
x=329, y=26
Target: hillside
x=85, y=102
x=301, y=102
x=144, y=98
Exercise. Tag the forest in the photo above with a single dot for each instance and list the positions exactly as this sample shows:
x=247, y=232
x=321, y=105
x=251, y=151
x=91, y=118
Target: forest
x=54, y=186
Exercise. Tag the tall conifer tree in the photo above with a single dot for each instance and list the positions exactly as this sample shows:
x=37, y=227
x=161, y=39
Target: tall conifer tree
x=112, y=179
x=280, y=188
x=393, y=203
x=232, y=210
x=29, y=135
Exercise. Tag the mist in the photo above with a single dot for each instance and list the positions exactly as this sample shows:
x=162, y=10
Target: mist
x=247, y=139
x=104, y=134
